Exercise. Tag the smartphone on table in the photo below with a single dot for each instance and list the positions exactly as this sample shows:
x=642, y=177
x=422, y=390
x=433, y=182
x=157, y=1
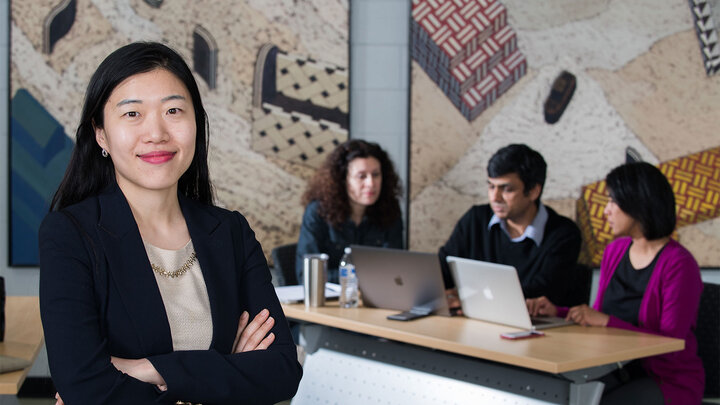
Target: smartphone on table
x=524, y=334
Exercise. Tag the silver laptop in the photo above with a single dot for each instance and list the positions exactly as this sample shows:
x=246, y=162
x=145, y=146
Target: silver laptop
x=491, y=292
x=400, y=279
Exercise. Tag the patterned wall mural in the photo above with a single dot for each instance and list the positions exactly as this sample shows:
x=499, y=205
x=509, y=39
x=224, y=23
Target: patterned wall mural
x=467, y=49
x=39, y=154
x=300, y=107
x=273, y=77
x=695, y=180
x=706, y=14
x=639, y=85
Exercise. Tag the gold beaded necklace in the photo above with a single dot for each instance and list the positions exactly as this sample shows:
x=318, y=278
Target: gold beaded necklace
x=177, y=273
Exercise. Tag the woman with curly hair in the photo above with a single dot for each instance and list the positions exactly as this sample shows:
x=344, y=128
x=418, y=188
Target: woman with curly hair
x=353, y=199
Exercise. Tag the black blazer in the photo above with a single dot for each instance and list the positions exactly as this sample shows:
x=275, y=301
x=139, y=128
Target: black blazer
x=99, y=298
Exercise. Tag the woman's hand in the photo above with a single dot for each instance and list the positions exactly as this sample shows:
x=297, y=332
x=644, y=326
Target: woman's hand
x=586, y=316
x=249, y=337
x=540, y=306
x=254, y=336
x=142, y=369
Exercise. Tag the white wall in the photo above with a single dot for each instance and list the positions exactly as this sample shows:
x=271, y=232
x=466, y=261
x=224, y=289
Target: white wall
x=380, y=77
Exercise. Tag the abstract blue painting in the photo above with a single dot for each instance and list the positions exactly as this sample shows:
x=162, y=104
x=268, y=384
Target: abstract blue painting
x=39, y=152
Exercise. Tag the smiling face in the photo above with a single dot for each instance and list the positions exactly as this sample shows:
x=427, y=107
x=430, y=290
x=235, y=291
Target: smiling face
x=508, y=199
x=364, y=181
x=149, y=131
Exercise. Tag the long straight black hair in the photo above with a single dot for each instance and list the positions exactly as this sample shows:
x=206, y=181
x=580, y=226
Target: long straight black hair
x=88, y=172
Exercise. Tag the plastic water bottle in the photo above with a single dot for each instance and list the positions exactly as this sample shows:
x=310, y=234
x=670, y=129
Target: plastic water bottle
x=348, y=281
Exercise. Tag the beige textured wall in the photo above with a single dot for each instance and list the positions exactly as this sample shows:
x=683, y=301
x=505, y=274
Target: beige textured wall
x=267, y=191
x=640, y=83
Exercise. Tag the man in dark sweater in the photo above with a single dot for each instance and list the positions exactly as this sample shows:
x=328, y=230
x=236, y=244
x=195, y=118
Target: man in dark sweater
x=515, y=228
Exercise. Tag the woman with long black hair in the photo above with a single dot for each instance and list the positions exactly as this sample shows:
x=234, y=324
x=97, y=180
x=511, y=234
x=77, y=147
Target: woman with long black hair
x=148, y=292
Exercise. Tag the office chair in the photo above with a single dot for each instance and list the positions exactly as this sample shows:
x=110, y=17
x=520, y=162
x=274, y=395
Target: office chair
x=708, y=337
x=284, y=260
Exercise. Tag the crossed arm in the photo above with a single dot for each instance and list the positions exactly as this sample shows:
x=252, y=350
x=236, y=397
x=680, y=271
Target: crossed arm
x=253, y=336
x=249, y=337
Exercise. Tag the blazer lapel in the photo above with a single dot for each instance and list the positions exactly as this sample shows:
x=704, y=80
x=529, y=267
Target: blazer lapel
x=129, y=269
x=213, y=244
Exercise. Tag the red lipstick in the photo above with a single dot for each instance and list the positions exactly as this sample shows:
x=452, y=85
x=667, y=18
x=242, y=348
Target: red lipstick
x=157, y=157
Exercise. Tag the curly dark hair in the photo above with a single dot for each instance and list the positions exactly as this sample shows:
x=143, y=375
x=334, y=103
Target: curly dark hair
x=329, y=185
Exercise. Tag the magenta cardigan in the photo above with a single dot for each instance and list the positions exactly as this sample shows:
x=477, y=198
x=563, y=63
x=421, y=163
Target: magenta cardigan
x=669, y=307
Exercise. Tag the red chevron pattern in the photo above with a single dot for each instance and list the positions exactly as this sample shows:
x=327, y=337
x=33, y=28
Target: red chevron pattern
x=459, y=27
x=467, y=49
x=476, y=67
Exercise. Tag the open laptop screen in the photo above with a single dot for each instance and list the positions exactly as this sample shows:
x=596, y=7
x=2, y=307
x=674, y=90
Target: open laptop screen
x=492, y=292
x=400, y=279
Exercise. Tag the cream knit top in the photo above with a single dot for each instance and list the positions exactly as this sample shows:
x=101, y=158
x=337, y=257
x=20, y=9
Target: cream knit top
x=185, y=297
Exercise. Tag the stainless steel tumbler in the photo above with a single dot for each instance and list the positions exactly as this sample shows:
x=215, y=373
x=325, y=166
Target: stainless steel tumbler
x=314, y=267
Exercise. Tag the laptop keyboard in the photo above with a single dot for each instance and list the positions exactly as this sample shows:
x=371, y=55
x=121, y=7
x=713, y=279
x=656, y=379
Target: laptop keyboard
x=539, y=321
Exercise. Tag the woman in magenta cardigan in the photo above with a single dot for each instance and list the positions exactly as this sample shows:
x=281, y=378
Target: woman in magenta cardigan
x=648, y=283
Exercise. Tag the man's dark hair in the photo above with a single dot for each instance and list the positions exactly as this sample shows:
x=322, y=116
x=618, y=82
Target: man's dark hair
x=644, y=193
x=527, y=163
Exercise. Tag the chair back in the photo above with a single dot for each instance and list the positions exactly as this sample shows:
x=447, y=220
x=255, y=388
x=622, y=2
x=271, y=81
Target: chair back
x=708, y=337
x=284, y=260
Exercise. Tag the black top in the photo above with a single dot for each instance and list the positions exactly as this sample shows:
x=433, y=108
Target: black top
x=626, y=288
x=543, y=270
x=318, y=236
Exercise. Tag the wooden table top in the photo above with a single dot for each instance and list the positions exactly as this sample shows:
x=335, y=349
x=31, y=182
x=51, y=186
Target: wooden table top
x=23, y=338
x=562, y=349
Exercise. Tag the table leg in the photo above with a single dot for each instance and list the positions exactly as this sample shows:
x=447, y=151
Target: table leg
x=587, y=393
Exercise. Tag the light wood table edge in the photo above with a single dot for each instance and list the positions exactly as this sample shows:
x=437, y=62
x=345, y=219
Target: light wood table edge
x=16, y=378
x=11, y=382
x=298, y=312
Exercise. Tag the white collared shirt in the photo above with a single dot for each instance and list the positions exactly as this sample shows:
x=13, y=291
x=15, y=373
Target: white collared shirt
x=534, y=231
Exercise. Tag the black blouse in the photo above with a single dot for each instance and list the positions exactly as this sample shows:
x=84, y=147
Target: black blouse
x=626, y=288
